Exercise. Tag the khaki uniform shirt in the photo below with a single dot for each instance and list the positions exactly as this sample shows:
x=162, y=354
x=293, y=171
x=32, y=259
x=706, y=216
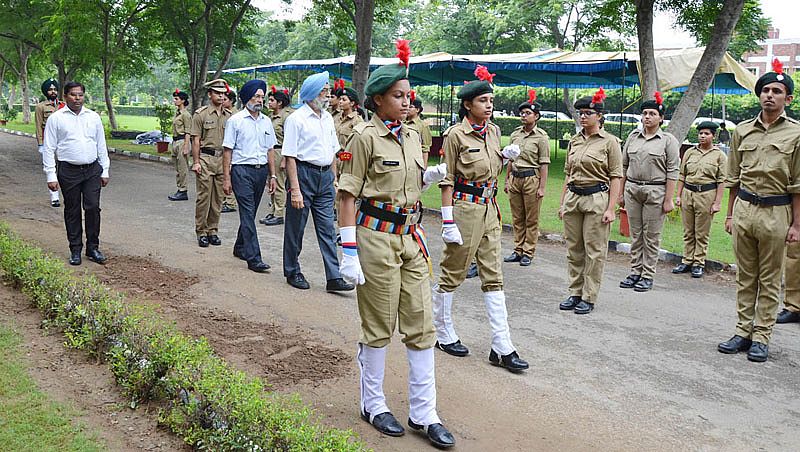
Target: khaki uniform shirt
x=593, y=160
x=181, y=123
x=210, y=126
x=277, y=123
x=344, y=126
x=383, y=168
x=653, y=159
x=703, y=167
x=765, y=161
x=535, y=146
x=43, y=111
x=424, y=132
x=469, y=156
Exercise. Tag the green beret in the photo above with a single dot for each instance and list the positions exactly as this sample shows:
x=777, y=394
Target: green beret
x=771, y=77
x=474, y=89
x=652, y=105
x=383, y=78
x=586, y=103
x=351, y=94
x=710, y=125
x=536, y=107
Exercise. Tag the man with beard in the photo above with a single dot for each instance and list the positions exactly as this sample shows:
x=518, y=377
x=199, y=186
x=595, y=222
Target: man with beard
x=309, y=146
x=43, y=111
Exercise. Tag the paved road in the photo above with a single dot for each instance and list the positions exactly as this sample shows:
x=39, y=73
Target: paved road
x=640, y=373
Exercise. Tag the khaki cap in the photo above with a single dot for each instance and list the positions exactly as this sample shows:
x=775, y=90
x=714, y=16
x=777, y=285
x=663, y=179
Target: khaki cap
x=219, y=85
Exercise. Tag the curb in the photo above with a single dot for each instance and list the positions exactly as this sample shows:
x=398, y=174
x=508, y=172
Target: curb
x=613, y=245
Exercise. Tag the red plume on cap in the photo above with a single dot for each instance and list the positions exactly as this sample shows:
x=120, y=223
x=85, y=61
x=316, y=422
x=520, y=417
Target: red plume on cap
x=599, y=96
x=273, y=89
x=413, y=95
x=286, y=91
x=403, y=51
x=483, y=74
x=659, y=98
x=227, y=88
x=531, y=96
x=177, y=90
x=777, y=66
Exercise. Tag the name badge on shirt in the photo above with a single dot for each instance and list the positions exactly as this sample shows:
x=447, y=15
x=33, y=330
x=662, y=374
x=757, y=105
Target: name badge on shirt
x=391, y=163
x=474, y=150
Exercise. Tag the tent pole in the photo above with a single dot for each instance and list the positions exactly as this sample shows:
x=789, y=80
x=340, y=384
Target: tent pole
x=713, y=92
x=555, y=109
x=624, y=66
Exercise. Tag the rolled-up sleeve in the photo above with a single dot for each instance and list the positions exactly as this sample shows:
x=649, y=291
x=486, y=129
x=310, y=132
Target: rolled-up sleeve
x=450, y=148
x=673, y=158
x=794, y=171
x=614, y=159
x=354, y=171
x=734, y=160
x=229, y=139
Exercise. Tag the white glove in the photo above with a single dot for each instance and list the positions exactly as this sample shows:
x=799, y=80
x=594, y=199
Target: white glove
x=450, y=232
x=433, y=174
x=511, y=152
x=41, y=148
x=350, y=268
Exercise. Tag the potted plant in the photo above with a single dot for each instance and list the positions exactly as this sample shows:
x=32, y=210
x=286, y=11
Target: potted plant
x=164, y=113
x=563, y=143
x=7, y=113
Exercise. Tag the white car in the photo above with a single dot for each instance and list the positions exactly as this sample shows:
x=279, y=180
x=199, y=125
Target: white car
x=730, y=125
x=625, y=118
x=546, y=114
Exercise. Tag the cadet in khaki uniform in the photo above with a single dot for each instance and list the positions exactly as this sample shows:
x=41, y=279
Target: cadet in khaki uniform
x=414, y=120
x=593, y=175
x=383, y=167
x=347, y=119
x=791, y=290
x=208, y=131
x=650, y=163
x=229, y=201
x=43, y=111
x=469, y=206
x=763, y=210
x=333, y=100
x=526, y=180
x=181, y=143
x=702, y=175
x=279, y=105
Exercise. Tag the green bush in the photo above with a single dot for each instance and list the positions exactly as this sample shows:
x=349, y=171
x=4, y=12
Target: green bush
x=208, y=403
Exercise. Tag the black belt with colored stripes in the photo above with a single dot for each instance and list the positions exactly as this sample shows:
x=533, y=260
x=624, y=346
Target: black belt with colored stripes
x=586, y=191
x=700, y=188
x=400, y=219
x=756, y=200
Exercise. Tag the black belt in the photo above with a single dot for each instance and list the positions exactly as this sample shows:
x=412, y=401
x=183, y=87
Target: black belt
x=251, y=165
x=524, y=173
x=754, y=199
x=277, y=146
x=72, y=165
x=483, y=192
x=700, y=188
x=209, y=151
x=645, y=183
x=586, y=191
x=316, y=167
x=392, y=217
x=178, y=137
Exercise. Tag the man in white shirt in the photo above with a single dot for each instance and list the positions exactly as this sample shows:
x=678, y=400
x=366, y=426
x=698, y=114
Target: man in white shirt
x=246, y=162
x=76, y=135
x=309, y=145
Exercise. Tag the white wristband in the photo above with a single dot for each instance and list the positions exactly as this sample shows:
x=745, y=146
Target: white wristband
x=348, y=234
x=447, y=213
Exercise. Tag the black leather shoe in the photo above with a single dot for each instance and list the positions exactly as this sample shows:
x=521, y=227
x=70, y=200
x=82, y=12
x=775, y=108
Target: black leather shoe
x=681, y=268
x=258, y=267
x=628, y=282
x=455, y=349
x=437, y=434
x=385, y=423
x=178, y=196
x=513, y=257
x=298, y=281
x=55, y=203
x=570, y=303
x=525, y=261
x=735, y=344
x=75, y=258
x=584, y=307
x=227, y=209
x=338, y=285
x=511, y=361
x=758, y=352
x=214, y=240
x=787, y=316
x=237, y=253
x=643, y=285
x=95, y=255
x=202, y=242
x=473, y=270
x=264, y=220
x=697, y=272
x=274, y=221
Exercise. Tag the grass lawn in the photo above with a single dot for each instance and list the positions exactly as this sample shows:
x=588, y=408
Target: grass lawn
x=720, y=246
x=29, y=420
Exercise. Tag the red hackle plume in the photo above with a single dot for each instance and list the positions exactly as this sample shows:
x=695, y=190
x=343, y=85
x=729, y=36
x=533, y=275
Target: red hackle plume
x=599, y=96
x=659, y=98
x=777, y=66
x=273, y=89
x=341, y=83
x=483, y=74
x=177, y=90
x=531, y=96
x=286, y=91
x=227, y=88
x=403, y=51
x=413, y=96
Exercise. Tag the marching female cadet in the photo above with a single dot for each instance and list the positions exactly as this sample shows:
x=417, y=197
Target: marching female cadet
x=383, y=167
x=474, y=160
x=181, y=139
x=700, y=188
x=347, y=119
x=415, y=120
x=593, y=174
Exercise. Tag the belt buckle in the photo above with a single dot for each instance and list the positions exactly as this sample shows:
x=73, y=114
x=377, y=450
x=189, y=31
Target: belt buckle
x=757, y=200
x=413, y=218
x=488, y=192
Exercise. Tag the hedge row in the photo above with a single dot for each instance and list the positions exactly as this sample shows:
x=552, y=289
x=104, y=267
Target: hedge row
x=133, y=110
x=209, y=404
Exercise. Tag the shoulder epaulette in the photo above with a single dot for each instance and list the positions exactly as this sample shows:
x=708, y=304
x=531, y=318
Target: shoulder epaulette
x=447, y=132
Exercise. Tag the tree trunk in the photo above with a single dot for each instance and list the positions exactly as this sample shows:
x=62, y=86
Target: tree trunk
x=648, y=76
x=364, y=17
x=112, y=118
x=691, y=100
x=24, y=54
x=570, y=108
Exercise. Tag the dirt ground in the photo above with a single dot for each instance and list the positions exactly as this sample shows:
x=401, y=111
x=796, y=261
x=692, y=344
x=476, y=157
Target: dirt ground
x=640, y=373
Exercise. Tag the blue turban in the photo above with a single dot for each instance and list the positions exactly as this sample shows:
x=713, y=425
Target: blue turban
x=312, y=86
x=249, y=89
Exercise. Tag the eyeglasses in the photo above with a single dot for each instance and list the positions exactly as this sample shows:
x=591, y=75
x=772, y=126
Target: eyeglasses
x=525, y=113
x=586, y=113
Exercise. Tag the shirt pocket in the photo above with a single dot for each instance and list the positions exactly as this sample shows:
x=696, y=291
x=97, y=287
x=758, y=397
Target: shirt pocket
x=779, y=154
x=749, y=155
x=474, y=162
x=389, y=173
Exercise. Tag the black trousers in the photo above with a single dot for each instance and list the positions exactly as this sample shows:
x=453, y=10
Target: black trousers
x=248, y=184
x=80, y=187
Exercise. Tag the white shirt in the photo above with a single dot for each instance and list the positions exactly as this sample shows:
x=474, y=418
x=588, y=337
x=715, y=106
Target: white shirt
x=310, y=138
x=77, y=138
x=250, y=139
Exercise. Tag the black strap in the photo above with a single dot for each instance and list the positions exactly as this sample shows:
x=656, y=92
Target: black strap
x=316, y=167
x=469, y=189
x=208, y=151
x=756, y=200
x=700, y=188
x=586, y=191
x=645, y=183
x=383, y=215
x=524, y=173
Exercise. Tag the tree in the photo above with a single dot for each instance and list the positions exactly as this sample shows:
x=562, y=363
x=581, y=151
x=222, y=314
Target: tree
x=66, y=43
x=648, y=76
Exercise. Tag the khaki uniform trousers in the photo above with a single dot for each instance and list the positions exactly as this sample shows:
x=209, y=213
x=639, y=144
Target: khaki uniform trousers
x=397, y=290
x=587, y=243
x=480, y=231
x=181, y=163
x=791, y=278
x=525, y=207
x=697, y=218
x=759, y=243
x=644, y=204
x=229, y=200
x=278, y=198
x=209, y=195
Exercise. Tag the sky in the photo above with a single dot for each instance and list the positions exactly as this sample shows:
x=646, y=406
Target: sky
x=784, y=14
